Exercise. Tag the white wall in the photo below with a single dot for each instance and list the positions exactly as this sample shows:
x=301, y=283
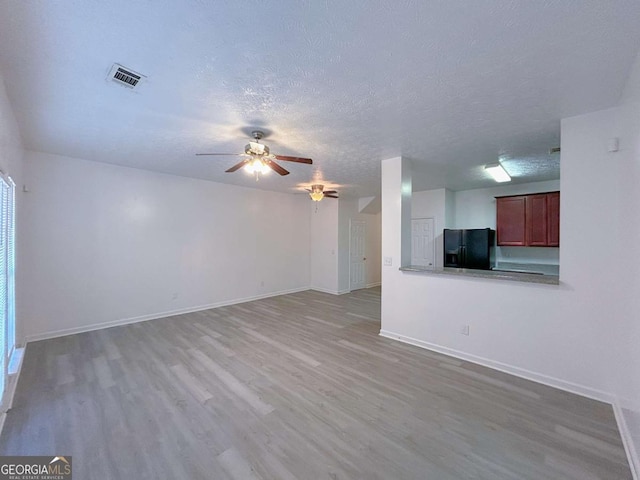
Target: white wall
x=373, y=273
x=330, y=244
x=602, y=199
x=103, y=244
x=11, y=148
x=449, y=207
x=11, y=163
x=394, y=179
x=432, y=203
x=581, y=335
x=477, y=208
x=631, y=92
x=324, y=244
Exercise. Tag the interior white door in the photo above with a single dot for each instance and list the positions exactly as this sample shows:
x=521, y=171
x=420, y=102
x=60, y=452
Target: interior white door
x=357, y=255
x=422, y=242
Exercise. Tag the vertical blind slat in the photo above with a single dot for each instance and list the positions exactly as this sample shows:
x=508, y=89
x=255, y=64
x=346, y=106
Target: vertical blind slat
x=7, y=278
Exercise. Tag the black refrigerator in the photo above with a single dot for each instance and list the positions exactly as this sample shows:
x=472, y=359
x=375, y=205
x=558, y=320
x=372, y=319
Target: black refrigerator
x=472, y=248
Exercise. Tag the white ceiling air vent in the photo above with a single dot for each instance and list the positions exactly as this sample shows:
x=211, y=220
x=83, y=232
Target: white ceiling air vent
x=125, y=76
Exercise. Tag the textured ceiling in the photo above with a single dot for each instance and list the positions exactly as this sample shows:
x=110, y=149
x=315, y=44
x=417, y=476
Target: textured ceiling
x=449, y=84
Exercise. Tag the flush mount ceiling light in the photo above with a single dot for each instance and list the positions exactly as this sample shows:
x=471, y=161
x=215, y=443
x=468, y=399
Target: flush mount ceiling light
x=497, y=171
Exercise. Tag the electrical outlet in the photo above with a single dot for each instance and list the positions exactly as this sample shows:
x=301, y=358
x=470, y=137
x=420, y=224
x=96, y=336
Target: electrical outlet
x=464, y=329
x=388, y=261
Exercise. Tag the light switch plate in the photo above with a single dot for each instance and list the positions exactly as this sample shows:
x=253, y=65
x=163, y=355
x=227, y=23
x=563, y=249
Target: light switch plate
x=388, y=261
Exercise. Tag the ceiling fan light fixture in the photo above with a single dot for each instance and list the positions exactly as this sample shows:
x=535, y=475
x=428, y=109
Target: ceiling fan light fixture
x=497, y=171
x=257, y=166
x=316, y=193
x=260, y=160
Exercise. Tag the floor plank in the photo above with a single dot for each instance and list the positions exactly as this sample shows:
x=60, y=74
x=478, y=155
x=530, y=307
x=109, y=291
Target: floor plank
x=298, y=386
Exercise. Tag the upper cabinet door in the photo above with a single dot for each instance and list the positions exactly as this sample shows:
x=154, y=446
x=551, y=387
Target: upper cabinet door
x=536, y=219
x=553, y=219
x=510, y=221
x=529, y=220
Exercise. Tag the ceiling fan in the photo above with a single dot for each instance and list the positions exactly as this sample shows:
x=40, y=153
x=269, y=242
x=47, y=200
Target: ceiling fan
x=317, y=193
x=259, y=159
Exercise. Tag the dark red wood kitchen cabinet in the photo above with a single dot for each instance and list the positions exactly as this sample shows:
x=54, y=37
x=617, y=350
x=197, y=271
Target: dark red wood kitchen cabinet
x=511, y=226
x=528, y=220
x=536, y=220
x=553, y=219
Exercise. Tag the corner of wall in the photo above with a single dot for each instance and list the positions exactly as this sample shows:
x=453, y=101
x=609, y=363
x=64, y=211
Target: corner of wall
x=631, y=90
x=628, y=421
x=12, y=158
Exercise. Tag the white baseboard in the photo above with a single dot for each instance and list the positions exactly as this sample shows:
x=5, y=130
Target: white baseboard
x=10, y=387
x=326, y=290
x=375, y=284
x=154, y=316
x=506, y=368
x=341, y=292
x=632, y=453
x=627, y=440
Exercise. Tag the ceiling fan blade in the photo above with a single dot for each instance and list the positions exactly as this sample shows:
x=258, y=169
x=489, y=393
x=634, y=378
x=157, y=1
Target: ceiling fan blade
x=237, y=166
x=276, y=168
x=227, y=154
x=294, y=159
x=330, y=196
x=329, y=192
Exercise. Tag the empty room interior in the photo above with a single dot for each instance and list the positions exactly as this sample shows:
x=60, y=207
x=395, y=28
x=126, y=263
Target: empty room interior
x=321, y=240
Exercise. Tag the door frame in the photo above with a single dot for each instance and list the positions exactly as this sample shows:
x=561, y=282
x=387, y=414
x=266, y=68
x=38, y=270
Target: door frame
x=364, y=262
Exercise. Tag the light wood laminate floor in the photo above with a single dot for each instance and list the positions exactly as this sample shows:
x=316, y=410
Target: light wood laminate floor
x=298, y=387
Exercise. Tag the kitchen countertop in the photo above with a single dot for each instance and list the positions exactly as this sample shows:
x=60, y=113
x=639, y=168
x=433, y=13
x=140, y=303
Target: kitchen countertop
x=491, y=274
